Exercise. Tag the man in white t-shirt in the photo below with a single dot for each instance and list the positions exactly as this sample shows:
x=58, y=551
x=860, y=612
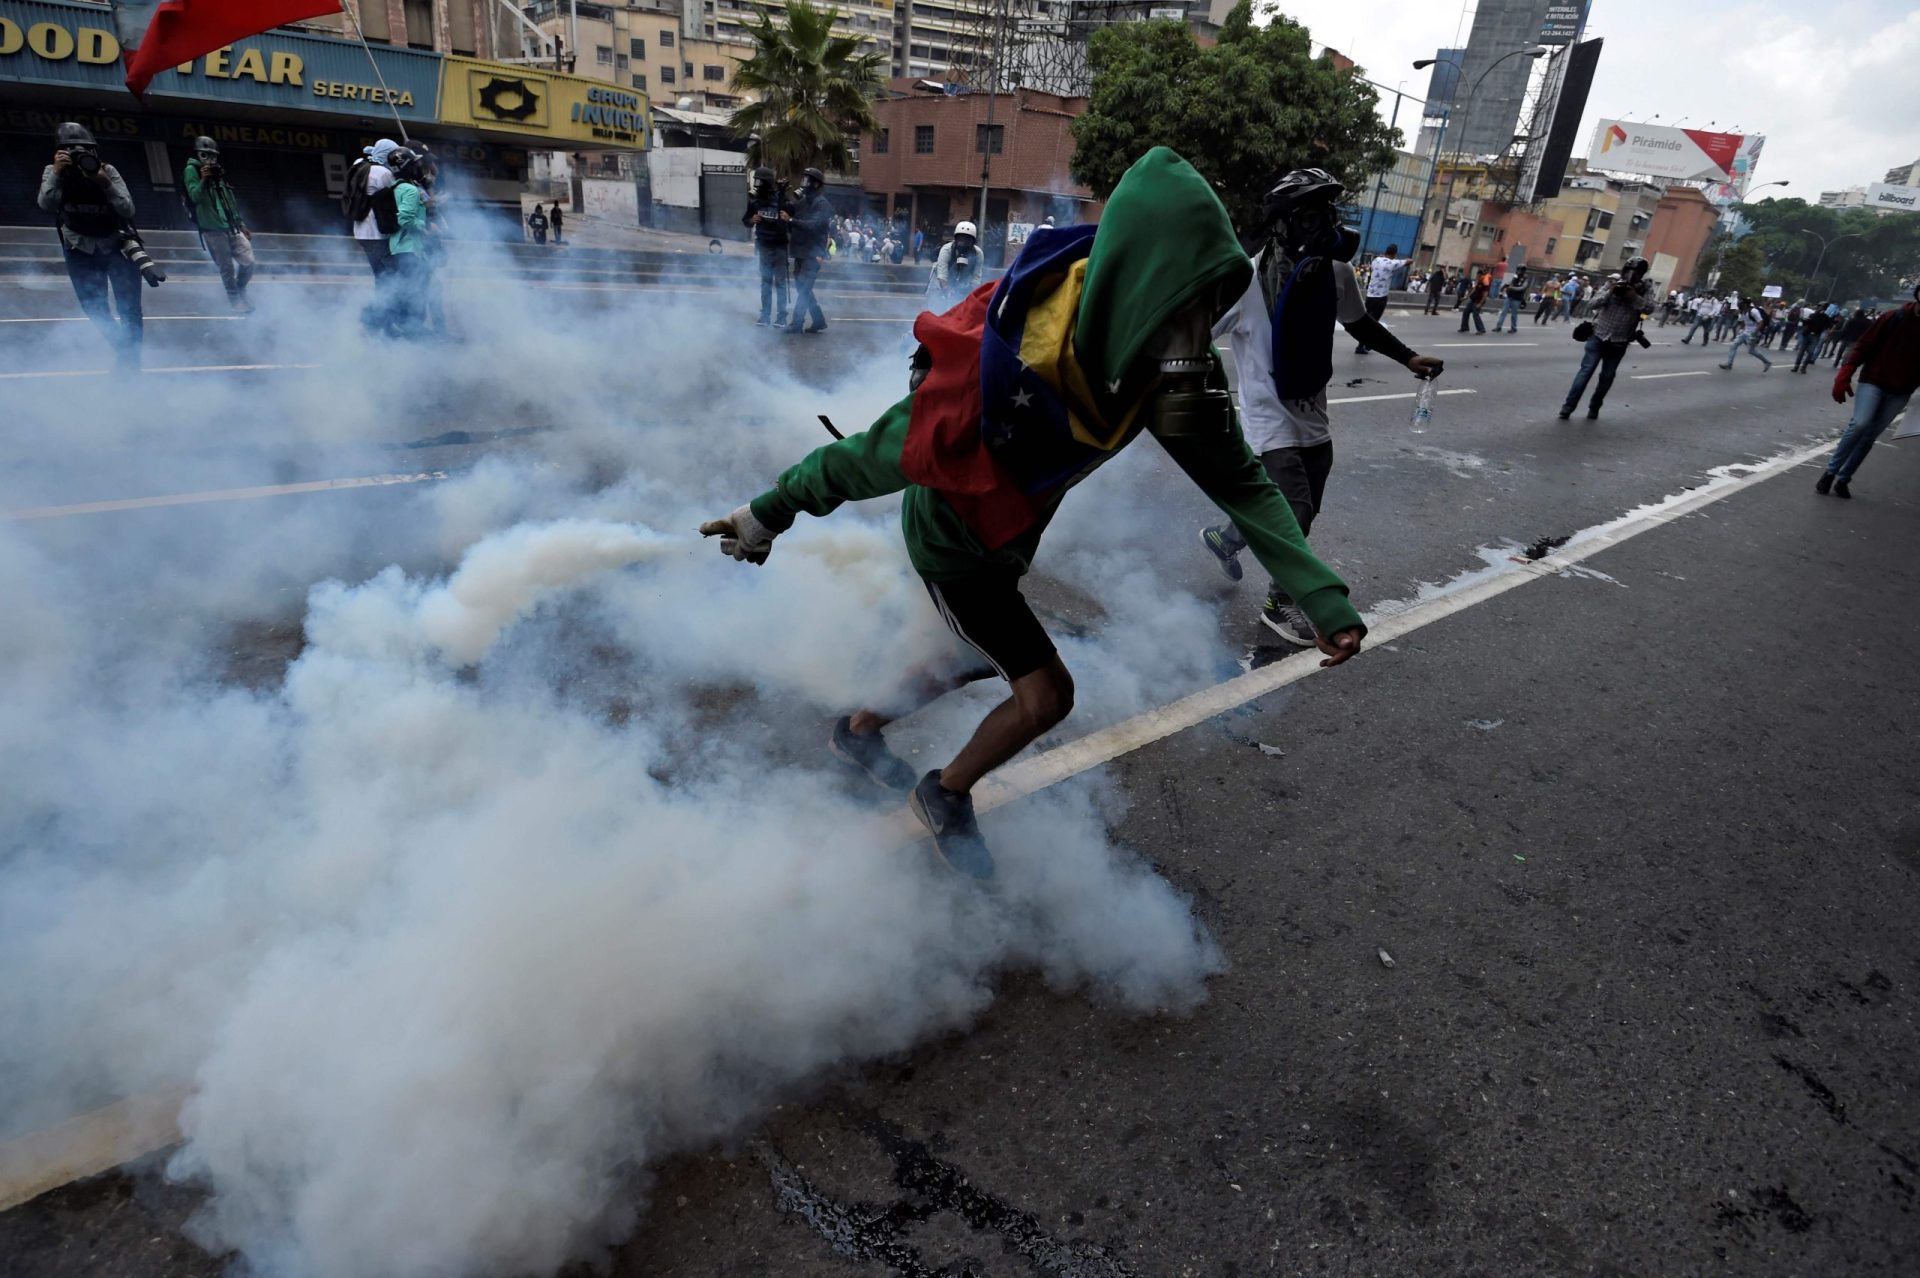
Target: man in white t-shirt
x=366, y=231
x=1283, y=413
x=1381, y=273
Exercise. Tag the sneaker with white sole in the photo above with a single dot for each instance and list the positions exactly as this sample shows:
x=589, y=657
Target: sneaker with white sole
x=949, y=818
x=1215, y=541
x=868, y=755
x=1284, y=618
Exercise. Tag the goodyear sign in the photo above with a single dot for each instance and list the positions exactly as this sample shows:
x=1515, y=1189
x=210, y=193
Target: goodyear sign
x=571, y=111
x=61, y=43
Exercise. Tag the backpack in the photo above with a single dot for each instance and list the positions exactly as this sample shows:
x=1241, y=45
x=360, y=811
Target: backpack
x=355, y=203
x=386, y=213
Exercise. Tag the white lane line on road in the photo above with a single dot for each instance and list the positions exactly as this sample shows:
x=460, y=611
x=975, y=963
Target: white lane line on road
x=1368, y=399
x=1483, y=345
x=175, y=368
x=1692, y=372
x=81, y=319
x=219, y=494
x=104, y=1138
x=1384, y=625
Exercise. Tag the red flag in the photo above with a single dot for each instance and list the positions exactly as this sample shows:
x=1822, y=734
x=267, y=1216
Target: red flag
x=157, y=34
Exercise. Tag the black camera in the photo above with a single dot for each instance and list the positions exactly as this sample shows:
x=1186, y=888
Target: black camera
x=86, y=161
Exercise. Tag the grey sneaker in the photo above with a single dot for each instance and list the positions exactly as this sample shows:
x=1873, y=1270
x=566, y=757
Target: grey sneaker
x=1284, y=618
x=868, y=755
x=949, y=817
x=1216, y=545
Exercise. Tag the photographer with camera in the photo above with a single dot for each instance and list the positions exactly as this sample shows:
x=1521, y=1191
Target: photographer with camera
x=769, y=216
x=94, y=213
x=216, y=213
x=1615, y=320
x=956, y=269
x=811, y=222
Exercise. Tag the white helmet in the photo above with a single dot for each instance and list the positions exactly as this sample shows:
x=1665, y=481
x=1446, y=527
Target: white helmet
x=967, y=228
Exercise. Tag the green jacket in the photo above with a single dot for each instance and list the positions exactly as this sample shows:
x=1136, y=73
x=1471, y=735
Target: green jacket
x=213, y=204
x=410, y=206
x=1141, y=271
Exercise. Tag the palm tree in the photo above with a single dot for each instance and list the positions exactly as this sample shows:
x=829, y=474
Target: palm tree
x=814, y=88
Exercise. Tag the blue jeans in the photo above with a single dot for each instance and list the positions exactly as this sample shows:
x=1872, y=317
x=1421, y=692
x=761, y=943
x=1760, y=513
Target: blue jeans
x=1605, y=356
x=1509, y=310
x=806, y=310
x=1873, y=411
x=94, y=276
x=1752, y=342
x=773, y=281
x=1808, y=352
x=1472, y=312
x=1700, y=322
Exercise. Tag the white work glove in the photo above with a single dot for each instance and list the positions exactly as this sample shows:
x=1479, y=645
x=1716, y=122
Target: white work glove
x=741, y=536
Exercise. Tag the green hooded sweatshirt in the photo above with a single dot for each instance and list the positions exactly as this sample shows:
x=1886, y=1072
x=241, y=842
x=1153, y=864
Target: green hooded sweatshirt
x=1163, y=240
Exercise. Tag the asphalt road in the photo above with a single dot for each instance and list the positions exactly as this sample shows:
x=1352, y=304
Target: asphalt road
x=1641, y=840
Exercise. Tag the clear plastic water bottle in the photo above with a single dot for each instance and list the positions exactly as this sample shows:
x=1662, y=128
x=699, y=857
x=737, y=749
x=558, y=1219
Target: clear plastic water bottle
x=1423, y=407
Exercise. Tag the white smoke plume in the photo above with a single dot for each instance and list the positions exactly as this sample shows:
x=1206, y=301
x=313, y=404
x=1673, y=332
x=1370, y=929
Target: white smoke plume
x=525, y=874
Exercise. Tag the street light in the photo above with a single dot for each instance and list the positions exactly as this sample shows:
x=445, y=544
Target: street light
x=1831, y=284
x=1433, y=170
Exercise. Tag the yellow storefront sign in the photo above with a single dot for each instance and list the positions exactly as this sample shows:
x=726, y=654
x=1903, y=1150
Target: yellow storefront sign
x=571, y=110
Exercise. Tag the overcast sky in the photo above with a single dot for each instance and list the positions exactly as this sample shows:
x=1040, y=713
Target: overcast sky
x=1834, y=85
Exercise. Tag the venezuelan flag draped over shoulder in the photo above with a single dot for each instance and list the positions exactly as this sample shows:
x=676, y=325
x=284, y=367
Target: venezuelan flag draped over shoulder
x=1006, y=415
x=157, y=34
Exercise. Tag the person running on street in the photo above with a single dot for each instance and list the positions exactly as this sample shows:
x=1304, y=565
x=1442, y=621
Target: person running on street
x=1476, y=298
x=1843, y=335
x=1705, y=311
x=1887, y=357
x=558, y=221
x=1513, y=299
x=1436, y=288
x=1549, y=298
x=216, y=214
x=1752, y=320
x=1097, y=335
x=1380, y=277
x=1616, y=321
x=1813, y=331
x=1569, y=297
x=1301, y=283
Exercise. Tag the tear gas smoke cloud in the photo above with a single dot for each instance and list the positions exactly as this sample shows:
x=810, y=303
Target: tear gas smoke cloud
x=449, y=956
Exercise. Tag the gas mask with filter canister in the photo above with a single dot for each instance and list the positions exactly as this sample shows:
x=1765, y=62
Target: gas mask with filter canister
x=1182, y=356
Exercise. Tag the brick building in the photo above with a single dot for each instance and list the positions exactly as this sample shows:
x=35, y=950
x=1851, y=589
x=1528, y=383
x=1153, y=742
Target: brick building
x=1682, y=222
x=923, y=165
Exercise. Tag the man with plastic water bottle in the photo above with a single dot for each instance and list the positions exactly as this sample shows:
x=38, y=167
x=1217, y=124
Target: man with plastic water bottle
x=1282, y=330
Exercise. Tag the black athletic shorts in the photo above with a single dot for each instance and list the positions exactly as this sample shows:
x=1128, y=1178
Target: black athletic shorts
x=989, y=612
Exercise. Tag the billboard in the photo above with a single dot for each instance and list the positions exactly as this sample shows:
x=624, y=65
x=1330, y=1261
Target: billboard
x=1883, y=195
x=1547, y=161
x=1687, y=155
x=1563, y=21
x=1443, y=82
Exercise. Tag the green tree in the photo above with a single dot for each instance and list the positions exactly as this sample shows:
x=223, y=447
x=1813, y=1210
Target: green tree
x=814, y=88
x=1743, y=269
x=1244, y=111
x=1867, y=252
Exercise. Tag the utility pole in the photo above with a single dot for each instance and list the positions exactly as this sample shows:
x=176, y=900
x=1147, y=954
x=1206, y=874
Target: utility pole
x=986, y=143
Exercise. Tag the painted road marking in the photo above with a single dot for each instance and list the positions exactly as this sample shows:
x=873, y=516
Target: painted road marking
x=177, y=368
x=219, y=494
x=1486, y=345
x=81, y=319
x=103, y=1139
x=1692, y=372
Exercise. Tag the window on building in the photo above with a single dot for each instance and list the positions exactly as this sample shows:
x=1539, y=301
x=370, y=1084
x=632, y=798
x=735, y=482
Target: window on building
x=1550, y=243
x=880, y=142
x=640, y=82
x=603, y=55
x=620, y=62
x=666, y=75
x=923, y=139
x=989, y=138
x=1598, y=220
x=711, y=72
x=666, y=39
x=687, y=69
x=637, y=47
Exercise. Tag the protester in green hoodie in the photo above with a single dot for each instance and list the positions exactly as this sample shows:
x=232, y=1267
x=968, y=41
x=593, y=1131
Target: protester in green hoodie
x=216, y=213
x=1095, y=336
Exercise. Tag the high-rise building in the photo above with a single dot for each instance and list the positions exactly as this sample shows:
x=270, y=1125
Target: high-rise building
x=1904, y=175
x=1852, y=198
x=470, y=28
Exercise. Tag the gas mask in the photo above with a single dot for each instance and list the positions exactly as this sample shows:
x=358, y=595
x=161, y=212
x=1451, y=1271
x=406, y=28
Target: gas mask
x=1314, y=230
x=1182, y=355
